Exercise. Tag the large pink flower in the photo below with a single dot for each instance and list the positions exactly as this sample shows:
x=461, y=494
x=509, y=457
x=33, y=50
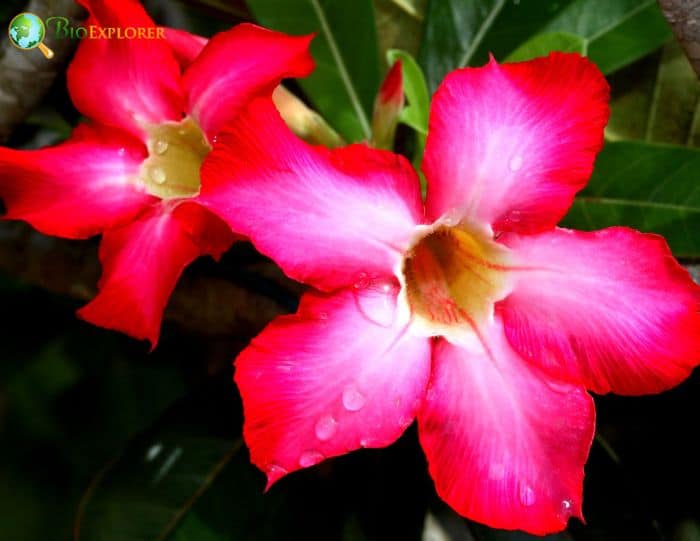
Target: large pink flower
x=131, y=173
x=472, y=313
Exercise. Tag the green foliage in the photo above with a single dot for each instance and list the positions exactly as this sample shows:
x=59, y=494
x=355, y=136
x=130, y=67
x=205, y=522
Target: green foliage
x=463, y=32
x=147, y=490
x=650, y=187
x=346, y=78
x=656, y=100
x=545, y=43
x=615, y=33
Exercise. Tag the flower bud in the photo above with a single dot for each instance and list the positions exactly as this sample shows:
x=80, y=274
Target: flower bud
x=387, y=107
x=303, y=121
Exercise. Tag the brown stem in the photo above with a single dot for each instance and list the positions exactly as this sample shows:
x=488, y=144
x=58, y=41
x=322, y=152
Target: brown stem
x=684, y=18
x=202, y=304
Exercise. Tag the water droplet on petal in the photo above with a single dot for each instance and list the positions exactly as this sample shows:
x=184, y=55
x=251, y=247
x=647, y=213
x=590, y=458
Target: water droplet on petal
x=309, y=458
x=158, y=175
x=378, y=303
x=515, y=216
x=323, y=315
x=526, y=495
x=353, y=400
x=404, y=421
x=274, y=472
x=326, y=427
x=516, y=162
x=121, y=151
x=161, y=147
x=567, y=508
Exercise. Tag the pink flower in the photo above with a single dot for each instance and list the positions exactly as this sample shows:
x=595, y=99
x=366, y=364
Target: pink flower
x=132, y=172
x=473, y=313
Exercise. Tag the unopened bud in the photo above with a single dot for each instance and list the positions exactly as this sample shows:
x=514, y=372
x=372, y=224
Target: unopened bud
x=303, y=121
x=387, y=108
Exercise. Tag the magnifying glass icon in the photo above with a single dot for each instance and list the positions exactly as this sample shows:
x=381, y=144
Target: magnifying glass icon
x=27, y=31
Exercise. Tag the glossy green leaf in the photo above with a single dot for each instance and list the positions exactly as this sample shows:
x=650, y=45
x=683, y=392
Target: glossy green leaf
x=148, y=489
x=615, y=32
x=416, y=112
x=653, y=188
x=543, y=44
x=345, y=81
x=454, y=29
x=464, y=32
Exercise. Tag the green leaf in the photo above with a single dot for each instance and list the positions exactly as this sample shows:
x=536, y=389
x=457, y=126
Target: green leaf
x=615, y=32
x=146, y=491
x=415, y=114
x=454, y=29
x=657, y=100
x=543, y=44
x=346, y=78
x=650, y=187
x=464, y=32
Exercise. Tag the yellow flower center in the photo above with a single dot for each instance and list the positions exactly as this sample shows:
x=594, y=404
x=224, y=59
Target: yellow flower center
x=453, y=276
x=176, y=151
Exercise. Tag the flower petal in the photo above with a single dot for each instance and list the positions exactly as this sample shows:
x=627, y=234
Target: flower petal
x=329, y=218
x=505, y=444
x=341, y=374
x=125, y=83
x=78, y=188
x=609, y=309
x=510, y=145
x=186, y=46
x=143, y=260
x=237, y=65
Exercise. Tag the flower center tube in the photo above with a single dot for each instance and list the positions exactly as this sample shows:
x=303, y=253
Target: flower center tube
x=176, y=151
x=453, y=276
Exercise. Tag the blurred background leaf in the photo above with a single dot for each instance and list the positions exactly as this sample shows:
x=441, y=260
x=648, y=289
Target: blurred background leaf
x=149, y=488
x=657, y=100
x=399, y=24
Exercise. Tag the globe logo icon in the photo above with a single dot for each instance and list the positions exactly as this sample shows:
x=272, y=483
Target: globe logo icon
x=27, y=31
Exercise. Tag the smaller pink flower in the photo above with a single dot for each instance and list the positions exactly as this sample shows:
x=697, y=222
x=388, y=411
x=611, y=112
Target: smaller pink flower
x=472, y=313
x=131, y=173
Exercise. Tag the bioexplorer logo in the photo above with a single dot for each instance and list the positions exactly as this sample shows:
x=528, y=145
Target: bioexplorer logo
x=28, y=31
